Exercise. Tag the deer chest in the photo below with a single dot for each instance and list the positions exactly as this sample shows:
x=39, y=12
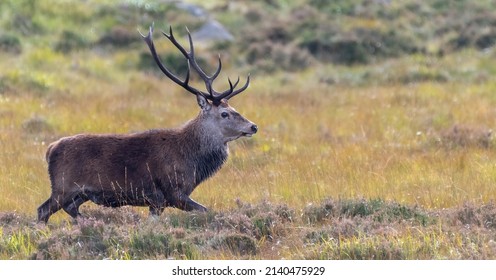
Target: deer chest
x=207, y=164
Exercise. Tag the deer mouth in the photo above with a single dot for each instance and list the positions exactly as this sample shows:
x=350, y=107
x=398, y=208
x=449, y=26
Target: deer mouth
x=253, y=130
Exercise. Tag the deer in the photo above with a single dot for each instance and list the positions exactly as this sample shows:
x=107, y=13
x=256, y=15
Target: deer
x=156, y=168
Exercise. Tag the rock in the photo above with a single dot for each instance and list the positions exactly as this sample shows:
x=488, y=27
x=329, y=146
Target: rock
x=212, y=30
x=193, y=9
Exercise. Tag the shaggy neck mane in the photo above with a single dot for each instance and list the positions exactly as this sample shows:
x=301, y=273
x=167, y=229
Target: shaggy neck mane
x=208, y=151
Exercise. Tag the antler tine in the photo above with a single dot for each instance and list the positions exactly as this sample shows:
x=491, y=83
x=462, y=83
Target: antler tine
x=149, y=41
x=207, y=79
x=197, y=67
x=211, y=94
x=231, y=92
x=218, y=69
x=235, y=84
x=171, y=38
x=231, y=86
x=186, y=80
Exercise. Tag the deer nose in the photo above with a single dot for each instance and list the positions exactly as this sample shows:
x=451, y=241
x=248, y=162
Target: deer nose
x=254, y=128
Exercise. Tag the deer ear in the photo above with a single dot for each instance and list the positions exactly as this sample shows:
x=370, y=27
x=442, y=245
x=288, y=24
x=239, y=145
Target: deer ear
x=203, y=102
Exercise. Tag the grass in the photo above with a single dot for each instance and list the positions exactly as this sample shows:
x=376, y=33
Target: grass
x=373, y=142
x=331, y=229
x=389, y=160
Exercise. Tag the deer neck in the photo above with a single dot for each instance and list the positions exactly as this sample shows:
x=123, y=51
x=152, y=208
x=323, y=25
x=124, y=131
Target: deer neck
x=204, y=136
x=207, y=151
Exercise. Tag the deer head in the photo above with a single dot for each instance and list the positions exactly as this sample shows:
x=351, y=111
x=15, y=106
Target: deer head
x=217, y=114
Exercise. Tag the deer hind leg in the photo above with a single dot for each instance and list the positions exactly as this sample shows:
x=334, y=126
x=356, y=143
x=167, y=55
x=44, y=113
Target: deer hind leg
x=46, y=209
x=72, y=206
x=156, y=202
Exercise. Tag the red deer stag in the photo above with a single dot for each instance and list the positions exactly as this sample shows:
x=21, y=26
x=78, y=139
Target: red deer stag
x=157, y=168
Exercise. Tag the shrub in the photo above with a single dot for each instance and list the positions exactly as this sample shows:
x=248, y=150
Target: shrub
x=270, y=57
x=424, y=74
x=193, y=220
x=4, y=85
x=10, y=44
x=318, y=213
x=264, y=224
x=175, y=62
x=19, y=81
x=150, y=244
x=480, y=216
x=486, y=40
x=70, y=41
x=120, y=37
x=358, y=46
x=272, y=47
x=377, y=210
x=476, y=31
x=336, y=7
x=119, y=216
x=25, y=24
x=461, y=136
x=37, y=125
x=88, y=242
x=235, y=221
x=239, y=244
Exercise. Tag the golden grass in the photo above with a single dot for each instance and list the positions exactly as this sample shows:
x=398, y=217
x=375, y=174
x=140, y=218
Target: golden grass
x=361, y=142
x=315, y=140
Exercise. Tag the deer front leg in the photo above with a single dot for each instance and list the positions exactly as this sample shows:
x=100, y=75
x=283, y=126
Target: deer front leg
x=156, y=211
x=185, y=203
x=193, y=205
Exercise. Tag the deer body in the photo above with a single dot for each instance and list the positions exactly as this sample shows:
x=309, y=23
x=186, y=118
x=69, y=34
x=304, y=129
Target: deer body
x=156, y=168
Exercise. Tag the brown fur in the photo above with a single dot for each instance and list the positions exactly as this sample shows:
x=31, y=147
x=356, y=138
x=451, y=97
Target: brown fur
x=156, y=168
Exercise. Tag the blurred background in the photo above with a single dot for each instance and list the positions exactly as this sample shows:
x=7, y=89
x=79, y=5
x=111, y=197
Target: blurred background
x=262, y=36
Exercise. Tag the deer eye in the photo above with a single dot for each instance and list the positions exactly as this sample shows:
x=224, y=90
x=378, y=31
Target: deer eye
x=224, y=115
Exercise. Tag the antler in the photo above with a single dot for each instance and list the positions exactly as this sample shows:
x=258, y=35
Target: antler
x=211, y=94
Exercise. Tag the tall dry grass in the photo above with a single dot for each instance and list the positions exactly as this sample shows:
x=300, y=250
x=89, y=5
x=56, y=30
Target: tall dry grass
x=315, y=140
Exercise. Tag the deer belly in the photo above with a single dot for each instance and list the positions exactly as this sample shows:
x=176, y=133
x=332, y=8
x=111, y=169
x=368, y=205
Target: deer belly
x=117, y=199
